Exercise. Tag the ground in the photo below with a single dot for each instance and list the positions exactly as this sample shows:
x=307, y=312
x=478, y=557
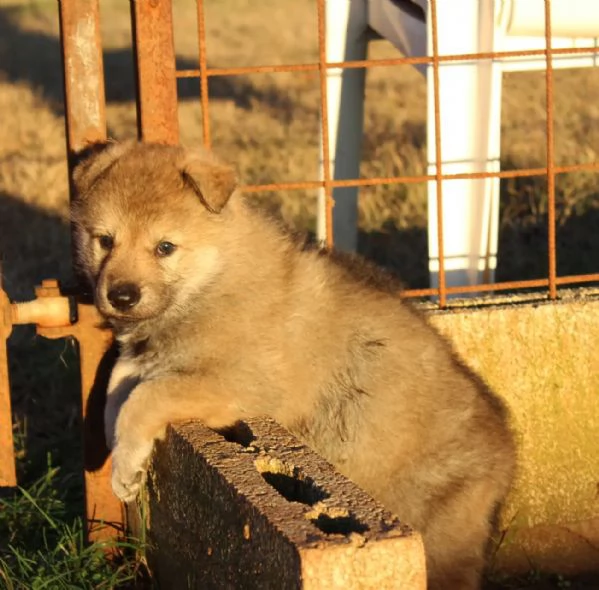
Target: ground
x=267, y=124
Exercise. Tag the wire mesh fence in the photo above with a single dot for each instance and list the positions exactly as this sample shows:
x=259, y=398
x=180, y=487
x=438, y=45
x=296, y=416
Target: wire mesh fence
x=204, y=73
x=157, y=77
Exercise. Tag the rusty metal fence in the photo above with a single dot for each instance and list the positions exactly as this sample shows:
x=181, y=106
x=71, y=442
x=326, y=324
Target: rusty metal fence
x=551, y=282
x=153, y=42
x=157, y=116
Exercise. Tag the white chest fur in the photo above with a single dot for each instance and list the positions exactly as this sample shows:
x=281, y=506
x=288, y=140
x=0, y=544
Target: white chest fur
x=127, y=373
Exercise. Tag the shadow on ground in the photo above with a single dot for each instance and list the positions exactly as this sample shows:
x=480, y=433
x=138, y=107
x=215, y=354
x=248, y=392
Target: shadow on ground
x=404, y=252
x=35, y=58
x=44, y=374
x=523, y=248
x=34, y=245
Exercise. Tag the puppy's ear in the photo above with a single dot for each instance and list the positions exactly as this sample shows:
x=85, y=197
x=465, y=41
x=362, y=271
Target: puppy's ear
x=93, y=160
x=213, y=181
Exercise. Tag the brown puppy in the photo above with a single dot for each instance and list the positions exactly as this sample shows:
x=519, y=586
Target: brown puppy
x=220, y=315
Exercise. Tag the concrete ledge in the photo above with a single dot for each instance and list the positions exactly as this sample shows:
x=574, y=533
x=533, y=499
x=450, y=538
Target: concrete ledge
x=266, y=512
x=543, y=359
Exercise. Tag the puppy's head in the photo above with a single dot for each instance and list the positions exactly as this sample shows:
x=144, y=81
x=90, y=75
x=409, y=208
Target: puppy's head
x=146, y=220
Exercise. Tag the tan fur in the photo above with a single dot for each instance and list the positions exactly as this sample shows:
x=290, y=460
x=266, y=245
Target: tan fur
x=240, y=321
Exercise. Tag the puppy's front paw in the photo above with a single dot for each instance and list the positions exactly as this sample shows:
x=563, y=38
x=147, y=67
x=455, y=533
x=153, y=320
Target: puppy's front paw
x=129, y=466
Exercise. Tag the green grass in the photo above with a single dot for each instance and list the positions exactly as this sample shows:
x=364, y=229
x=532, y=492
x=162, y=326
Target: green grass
x=42, y=534
x=44, y=543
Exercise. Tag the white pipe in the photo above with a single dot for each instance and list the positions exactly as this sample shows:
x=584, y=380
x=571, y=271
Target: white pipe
x=469, y=143
x=346, y=23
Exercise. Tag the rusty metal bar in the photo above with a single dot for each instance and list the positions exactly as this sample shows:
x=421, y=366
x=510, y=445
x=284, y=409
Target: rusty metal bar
x=157, y=115
x=550, y=156
x=312, y=184
x=103, y=511
x=52, y=314
x=8, y=474
x=324, y=110
x=83, y=71
x=203, y=73
x=384, y=62
x=81, y=47
x=105, y=514
x=504, y=286
x=438, y=161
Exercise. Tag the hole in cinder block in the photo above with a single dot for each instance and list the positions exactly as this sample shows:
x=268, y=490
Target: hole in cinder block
x=289, y=481
x=239, y=433
x=335, y=521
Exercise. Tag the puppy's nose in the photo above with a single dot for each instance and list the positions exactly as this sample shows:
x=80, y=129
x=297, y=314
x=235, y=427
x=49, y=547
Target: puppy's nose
x=124, y=296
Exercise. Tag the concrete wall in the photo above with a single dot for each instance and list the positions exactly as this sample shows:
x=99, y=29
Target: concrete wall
x=543, y=359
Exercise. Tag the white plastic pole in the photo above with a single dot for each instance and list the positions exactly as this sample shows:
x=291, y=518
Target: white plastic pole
x=469, y=130
x=346, y=24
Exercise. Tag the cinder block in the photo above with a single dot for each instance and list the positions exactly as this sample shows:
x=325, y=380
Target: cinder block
x=267, y=513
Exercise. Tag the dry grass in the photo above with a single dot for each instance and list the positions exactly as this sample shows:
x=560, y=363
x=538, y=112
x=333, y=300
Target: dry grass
x=268, y=125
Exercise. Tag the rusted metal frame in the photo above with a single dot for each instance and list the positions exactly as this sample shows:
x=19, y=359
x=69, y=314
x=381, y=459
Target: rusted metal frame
x=383, y=62
x=81, y=47
x=438, y=162
x=104, y=513
x=203, y=73
x=311, y=184
x=56, y=316
x=8, y=473
x=504, y=286
x=324, y=114
x=153, y=42
x=550, y=156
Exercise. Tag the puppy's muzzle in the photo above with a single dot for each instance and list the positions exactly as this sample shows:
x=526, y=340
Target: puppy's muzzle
x=124, y=296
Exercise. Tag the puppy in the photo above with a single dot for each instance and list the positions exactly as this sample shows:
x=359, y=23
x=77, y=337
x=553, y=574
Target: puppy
x=221, y=315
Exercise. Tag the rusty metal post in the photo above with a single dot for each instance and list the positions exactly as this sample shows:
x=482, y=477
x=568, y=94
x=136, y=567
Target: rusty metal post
x=8, y=475
x=83, y=72
x=205, y=99
x=152, y=26
x=86, y=123
x=438, y=160
x=550, y=135
x=104, y=514
x=324, y=122
x=56, y=316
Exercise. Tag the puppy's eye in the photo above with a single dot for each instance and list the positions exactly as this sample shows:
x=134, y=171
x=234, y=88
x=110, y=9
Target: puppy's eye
x=165, y=249
x=106, y=242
